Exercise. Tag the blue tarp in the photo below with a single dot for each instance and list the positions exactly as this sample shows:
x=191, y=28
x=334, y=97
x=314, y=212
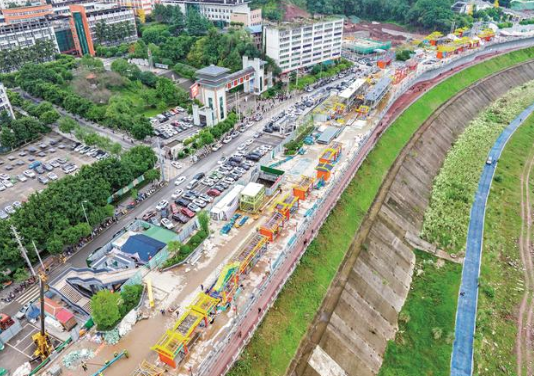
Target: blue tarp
x=143, y=246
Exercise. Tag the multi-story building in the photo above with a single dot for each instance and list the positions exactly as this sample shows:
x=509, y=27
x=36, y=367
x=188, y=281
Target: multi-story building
x=23, y=14
x=141, y=7
x=215, y=10
x=4, y=4
x=248, y=18
x=26, y=34
x=111, y=26
x=300, y=45
x=5, y=104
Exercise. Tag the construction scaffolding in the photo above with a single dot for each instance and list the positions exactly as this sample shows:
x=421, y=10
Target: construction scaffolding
x=303, y=188
x=250, y=253
x=288, y=205
x=332, y=153
x=363, y=46
x=324, y=171
x=273, y=226
x=226, y=285
x=487, y=34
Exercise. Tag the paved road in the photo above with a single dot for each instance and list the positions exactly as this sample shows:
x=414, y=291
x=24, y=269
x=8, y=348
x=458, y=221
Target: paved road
x=462, y=350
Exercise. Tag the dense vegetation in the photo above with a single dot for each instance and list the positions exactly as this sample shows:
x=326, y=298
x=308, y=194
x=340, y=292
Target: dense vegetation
x=427, y=14
x=423, y=343
x=108, y=308
x=278, y=337
x=447, y=217
x=179, y=251
x=41, y=51
x=186, y=43
x=208, y=136
x=54, y=218
x=113, y=33
x=501, y=274
x=119, y=99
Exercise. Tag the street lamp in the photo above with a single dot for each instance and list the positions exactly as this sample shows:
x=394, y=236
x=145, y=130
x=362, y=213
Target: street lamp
x=85, y=213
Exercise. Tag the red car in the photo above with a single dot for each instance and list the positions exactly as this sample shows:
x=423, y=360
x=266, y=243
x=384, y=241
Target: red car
x=149, y=215
x=174, y=209
x=213, y=193
x=188, y=213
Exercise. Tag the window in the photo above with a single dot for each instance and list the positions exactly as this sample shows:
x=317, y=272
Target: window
x=221, y=107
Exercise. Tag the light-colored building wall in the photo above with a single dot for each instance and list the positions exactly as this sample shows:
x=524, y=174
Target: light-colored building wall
x=250, y=18
x=22, y=35
x=5, y=104
x=296, y=46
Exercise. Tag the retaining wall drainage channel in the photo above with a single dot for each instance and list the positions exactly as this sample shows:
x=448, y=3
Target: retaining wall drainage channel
x=359, y=315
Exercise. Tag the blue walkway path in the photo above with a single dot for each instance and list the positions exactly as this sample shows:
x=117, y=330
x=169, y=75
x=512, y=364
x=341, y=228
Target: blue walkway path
x=462, y=351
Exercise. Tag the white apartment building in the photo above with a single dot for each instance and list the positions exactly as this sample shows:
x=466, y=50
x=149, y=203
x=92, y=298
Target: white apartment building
x=5, y=104
x=141, y=7
x=26, y=34
x=299, y=45
x=214, y=10
x=4, y=4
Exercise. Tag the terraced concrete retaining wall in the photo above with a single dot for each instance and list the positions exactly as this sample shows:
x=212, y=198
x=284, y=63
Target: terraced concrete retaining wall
x=359, y=315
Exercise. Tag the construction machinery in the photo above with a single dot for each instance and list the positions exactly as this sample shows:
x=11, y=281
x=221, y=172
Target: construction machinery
x=42, y=338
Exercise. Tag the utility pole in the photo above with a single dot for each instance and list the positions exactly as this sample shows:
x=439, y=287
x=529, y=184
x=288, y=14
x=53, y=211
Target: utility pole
x=85, y=213
x=161, y=161
x=22, y=249
x=38, y=255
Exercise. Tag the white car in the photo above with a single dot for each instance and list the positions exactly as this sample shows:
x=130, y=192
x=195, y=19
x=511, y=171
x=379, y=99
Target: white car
x=52, y=176
x=179, y=180
x=22, y=178
x=208, y=182
x=29, y=174
x=177, y=193
x=162, y=204
x=167, y=223
x=17, y=204
x=2, y=188
x=249, y=142
x=176, y=165
x=222, y=161
x=227, y=139
x=7, y=183
x=242, y=147
x=4, y=176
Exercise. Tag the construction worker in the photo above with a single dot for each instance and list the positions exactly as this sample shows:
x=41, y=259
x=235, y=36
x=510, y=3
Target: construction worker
x=84, y=366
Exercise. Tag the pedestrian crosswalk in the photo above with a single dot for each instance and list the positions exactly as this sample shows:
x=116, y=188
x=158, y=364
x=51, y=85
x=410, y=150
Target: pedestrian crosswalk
x=29, y=295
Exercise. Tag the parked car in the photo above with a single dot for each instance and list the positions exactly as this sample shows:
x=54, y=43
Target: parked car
x=187, y=212
x=29, y=173
x=179, y=180
x=9, y=209
x=52, y=176
x=214, y=192
x=180, y=218
x=177, y=193
x=162, y=205
x=22, y=178
x=3, y=215
x=7, y=183
x=193, y=207
x=149, y=214
x=200, y=203
x=48, y=167
x=167, y=223
x=40, y=170
x=183, y=202
x=176, y=165
x=43, y=180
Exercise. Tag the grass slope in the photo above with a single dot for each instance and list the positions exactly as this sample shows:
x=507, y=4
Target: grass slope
x=423, y=343
x=501, y=277
x=277, y=339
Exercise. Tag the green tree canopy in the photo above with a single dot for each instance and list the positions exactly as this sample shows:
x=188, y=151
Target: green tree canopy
x=105, y=309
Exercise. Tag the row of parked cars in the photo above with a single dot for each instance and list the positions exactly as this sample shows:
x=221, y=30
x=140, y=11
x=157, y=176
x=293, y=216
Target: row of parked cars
x=90, y=151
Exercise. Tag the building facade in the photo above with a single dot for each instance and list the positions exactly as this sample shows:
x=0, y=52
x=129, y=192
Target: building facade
x=5, y=104
x=294, y=46
x=247, y=19
x=4, y=4
x=90, y=28
x=23, y=14
x=26, y=34
x=216, y=10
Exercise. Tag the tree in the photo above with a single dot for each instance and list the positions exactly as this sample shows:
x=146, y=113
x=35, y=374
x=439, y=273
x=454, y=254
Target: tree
x=105, y=309
x=166, y=90
x=174, y=246
x=115, y=148
x=196, y=23
x=7, y=138
x=67, y=125
x=152, y=174
x=49, y=117
x=130, y=296
x=204, y=220
x=121, y=66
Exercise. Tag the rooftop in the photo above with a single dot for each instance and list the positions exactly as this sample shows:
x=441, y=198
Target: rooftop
x=302, y=22
x=252, y=189
x=377, y=90
x=213, y=71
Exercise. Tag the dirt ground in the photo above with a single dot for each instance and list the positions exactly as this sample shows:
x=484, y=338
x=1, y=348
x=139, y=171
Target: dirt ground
x=292, y=11
x=382, y=31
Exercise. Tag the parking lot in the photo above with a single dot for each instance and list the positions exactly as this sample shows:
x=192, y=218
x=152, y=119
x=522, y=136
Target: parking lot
x=18, y=186
x=222, y=178
x=174, y=125
x=21, y=347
